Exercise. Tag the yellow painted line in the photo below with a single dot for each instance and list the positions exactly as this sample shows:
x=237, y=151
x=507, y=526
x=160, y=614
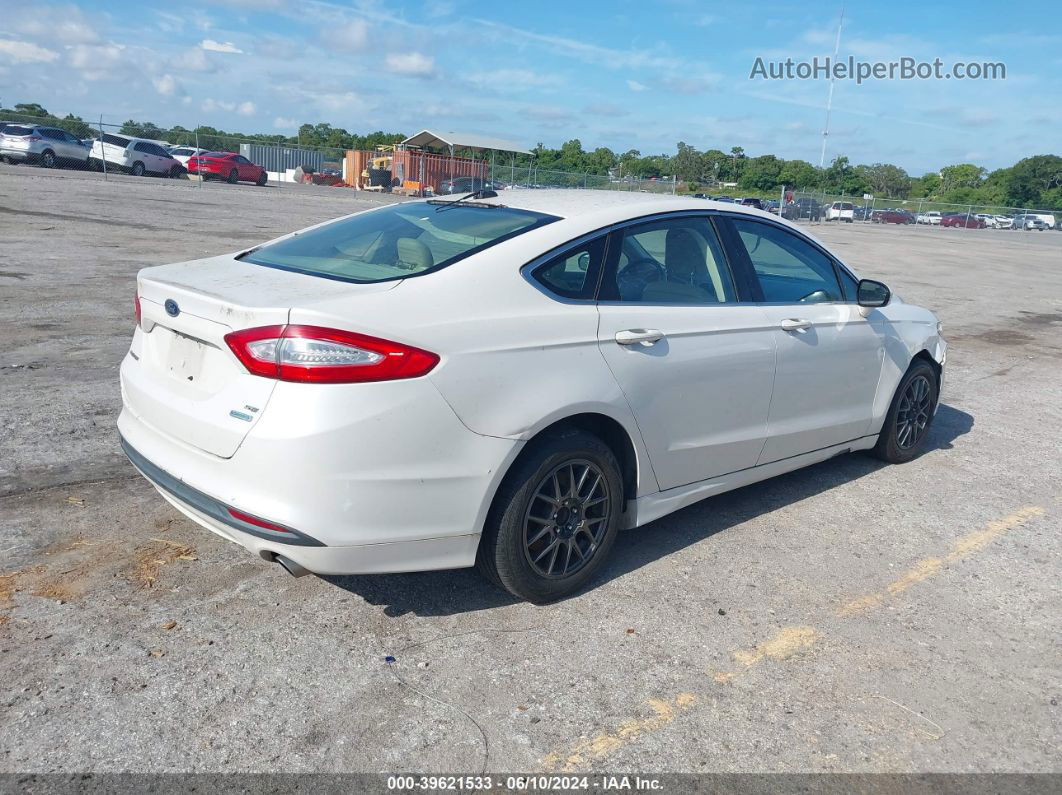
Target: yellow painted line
x=783, y=645
x=929, y=567
x=664, y=711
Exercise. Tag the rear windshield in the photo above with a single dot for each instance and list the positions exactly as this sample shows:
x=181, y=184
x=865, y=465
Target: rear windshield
x=396, y=242
x=12, y=129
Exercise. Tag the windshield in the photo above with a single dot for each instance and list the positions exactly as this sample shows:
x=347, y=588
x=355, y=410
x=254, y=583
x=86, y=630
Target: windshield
x=396, y=242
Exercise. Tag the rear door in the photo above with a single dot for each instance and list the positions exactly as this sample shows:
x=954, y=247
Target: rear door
x=695, y=364
x=829, y=355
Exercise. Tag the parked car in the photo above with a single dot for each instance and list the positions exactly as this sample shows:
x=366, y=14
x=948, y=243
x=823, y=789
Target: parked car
x=45, y=146
x=1026, y=222
x=931, y=217
x=228, y=166
x=1047, y=218
x=962, y=220
x=725, y=199
x=771, y=206
x=1004, y=221
x=840, y=211
x=752, y=202
x=182, y=153
x=290, y=399
x=135, y=156
x=467, y=185
x=802, y=208
x=892, y=217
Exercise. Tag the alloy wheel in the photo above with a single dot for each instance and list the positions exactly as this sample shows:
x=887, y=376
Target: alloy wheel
x=914, y=412
x=566, y=519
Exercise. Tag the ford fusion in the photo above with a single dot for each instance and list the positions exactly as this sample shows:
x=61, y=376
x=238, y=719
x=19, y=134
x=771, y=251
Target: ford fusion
x=506, y=381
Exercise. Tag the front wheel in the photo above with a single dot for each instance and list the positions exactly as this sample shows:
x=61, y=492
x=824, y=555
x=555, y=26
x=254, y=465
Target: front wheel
x=554, y=519
x=262, y=179
x=903, y=436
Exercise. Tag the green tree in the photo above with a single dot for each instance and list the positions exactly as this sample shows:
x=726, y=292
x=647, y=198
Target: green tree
x=761, y=173
x=963, y=175
x=926, y=186
x=799, y=174
x=885, y=179
x=31, y=109
x=1035, y=182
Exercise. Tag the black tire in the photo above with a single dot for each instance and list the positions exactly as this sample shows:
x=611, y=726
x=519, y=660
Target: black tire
x=234, y=177
x=176, y=172
x=48, y=159
x=262, y=179
x=910, y=409
x=137, y=170
x=507, y=548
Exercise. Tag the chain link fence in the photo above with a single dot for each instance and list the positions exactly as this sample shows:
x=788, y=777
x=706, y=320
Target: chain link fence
x=823, y=207
x=205, y=155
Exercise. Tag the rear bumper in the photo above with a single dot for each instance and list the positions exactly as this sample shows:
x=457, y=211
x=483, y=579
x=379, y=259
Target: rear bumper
x=369, y=480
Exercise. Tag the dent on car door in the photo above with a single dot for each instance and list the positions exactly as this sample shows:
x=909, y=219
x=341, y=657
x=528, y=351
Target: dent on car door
x=829, y=355
x=695, y=364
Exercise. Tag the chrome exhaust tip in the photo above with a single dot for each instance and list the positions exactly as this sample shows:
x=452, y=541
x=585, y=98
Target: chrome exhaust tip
x=290, y=566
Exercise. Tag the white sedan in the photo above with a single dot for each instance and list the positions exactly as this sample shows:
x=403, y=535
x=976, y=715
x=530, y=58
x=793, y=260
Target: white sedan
x=507, y=381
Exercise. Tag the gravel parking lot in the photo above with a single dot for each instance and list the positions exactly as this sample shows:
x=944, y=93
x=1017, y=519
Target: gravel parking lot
x=850, y=617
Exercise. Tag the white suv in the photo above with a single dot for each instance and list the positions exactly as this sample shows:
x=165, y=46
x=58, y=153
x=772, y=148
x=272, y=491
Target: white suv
x=840, y=211
x=136, y=156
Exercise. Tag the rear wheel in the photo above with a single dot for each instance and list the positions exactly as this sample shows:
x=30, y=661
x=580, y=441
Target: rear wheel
x=234, y=177
x=137, y=170
x=48, y=158
x=903, y=436
x=554, y=519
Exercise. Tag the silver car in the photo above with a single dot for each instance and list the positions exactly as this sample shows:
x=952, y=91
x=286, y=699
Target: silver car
x=46, y=146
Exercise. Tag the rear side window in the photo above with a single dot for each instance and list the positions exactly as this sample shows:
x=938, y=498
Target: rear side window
x=115, y=140
x=397, y=241
x=573, y=274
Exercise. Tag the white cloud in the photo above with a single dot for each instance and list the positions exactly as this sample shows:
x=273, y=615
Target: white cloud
x=96, y=61
x=218, y=104
x=246, y=109
x=351, y=36
x=691, y=84
x=25, y=52
x=194, y=60
x=634, y=85
x=284, y=123
x=412, y=64
x=166, y=85
x=220, y=46
x=63, y=24
x=515, y=79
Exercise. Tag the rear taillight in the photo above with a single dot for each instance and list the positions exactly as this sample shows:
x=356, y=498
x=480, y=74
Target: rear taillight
x=254, y=520
x=136, y=308
x=312, y=354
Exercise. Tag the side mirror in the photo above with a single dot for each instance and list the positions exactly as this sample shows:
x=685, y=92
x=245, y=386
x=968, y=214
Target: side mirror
x=871, y=293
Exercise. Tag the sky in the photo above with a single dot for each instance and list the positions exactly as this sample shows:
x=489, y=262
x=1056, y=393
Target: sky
x=627, y=75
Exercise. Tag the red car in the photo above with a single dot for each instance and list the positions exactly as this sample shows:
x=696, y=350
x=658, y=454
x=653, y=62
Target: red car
x=892, y=217
x=228, y=166
x=962, y=220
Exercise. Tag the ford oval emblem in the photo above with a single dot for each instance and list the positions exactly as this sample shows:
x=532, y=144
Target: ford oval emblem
x=171, y=308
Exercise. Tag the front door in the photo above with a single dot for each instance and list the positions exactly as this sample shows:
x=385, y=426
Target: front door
x=829, y=356
x=695, y=364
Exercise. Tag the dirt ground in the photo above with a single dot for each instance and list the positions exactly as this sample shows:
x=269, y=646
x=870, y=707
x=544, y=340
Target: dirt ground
x=850, y=617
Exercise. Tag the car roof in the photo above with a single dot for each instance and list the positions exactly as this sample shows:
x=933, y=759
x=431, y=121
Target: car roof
x=575, y=202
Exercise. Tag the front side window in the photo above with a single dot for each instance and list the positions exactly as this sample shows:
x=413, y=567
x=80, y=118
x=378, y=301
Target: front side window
x=573, y=274
x=671, y=261
x=397, y=241
x=789, y=269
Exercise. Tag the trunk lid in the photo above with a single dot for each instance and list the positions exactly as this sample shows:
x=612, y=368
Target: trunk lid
x=183, y=378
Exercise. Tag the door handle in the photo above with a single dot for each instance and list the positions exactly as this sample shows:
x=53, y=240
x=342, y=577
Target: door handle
x=645, y=337
x=796, y=324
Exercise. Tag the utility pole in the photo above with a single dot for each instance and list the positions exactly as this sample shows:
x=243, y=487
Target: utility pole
x=829, y=96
